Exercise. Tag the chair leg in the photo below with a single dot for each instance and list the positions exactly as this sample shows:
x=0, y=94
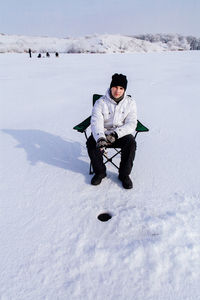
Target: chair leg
x=111, y=158
x=91, y=169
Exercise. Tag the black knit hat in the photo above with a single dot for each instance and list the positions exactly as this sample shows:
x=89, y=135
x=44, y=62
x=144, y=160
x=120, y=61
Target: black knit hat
x=119, y=80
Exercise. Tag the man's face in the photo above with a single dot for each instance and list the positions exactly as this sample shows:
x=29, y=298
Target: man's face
x=117, y=91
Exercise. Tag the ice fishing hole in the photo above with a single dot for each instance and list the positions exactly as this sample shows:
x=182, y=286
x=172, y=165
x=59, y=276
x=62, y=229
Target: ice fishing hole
x=104, y=217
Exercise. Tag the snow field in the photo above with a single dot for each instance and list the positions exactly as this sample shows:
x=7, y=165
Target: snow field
x=51, y=244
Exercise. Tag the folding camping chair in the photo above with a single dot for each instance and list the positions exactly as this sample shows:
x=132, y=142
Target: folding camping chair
x=82, y=127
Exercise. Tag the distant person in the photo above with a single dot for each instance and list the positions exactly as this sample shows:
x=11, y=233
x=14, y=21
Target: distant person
x=39, y=55
x=113, y=122
x=29, y=51
x=57, y=54
x=47, y=54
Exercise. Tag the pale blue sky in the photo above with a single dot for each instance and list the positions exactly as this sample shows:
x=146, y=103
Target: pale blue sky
x=64, y=18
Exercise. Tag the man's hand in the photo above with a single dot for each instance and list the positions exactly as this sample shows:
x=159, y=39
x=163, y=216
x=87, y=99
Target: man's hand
x=101, y=144
x=111, y=138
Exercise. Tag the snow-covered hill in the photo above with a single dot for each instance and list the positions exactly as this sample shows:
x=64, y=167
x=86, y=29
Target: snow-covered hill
x=96, y=44
x=52, y=246
x=173, y=41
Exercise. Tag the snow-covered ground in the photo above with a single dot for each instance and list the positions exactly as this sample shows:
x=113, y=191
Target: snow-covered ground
x=52, y=246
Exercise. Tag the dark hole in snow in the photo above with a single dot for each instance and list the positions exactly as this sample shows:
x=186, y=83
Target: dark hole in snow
x=104, y=217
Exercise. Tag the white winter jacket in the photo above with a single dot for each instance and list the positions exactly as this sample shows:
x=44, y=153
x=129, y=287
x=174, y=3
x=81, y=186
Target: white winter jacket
x=109, y=116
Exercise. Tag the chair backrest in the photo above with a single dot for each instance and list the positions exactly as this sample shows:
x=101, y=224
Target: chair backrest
x=95, y=98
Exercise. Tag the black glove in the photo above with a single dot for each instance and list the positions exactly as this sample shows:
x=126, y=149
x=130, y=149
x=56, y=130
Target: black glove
x=101, y=143
x=112, y=137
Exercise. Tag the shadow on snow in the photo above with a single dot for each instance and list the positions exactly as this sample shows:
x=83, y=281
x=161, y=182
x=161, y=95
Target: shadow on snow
x=41, y=146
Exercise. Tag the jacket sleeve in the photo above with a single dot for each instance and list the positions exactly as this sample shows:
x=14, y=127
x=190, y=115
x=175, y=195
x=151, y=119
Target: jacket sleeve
x=97, y=121
x=130, y=122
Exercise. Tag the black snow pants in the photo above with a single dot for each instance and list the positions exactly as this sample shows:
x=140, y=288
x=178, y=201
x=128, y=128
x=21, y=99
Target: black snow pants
x=128, y=147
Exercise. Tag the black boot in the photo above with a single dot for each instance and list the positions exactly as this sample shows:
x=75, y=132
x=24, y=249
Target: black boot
x=126, y=181
x=97, y=178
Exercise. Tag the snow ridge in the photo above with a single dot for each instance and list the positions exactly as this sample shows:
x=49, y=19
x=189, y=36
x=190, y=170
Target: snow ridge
x=172, y=41
x=98, y=43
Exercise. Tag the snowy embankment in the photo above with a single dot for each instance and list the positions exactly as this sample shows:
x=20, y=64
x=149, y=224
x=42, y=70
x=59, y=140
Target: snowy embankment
x=52, y=246
x=93, y=44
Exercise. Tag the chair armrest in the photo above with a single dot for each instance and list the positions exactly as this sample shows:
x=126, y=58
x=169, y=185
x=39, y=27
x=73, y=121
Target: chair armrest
x=140, y=127
x=81, y=127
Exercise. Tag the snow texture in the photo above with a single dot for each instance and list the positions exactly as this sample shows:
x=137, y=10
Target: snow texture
x=98, y=43
x=52, y=246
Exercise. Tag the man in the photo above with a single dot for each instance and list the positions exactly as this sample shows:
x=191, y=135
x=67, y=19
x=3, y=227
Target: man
x=113, y=121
